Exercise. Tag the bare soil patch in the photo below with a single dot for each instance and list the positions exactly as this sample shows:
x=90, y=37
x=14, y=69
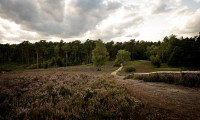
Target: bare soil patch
x=164, y=101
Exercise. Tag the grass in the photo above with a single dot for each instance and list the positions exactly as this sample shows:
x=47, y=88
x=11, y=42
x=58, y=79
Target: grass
x=86, y=65
x=138, y=61
x=144, y=66
x=110, y=70
x=12, y=67
x=168, y=69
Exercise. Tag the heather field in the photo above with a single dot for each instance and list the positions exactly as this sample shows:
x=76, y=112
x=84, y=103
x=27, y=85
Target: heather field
x=82, y=92
x=66, y=93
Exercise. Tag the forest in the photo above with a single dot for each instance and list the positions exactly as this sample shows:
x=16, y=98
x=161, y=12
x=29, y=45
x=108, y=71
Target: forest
x=171, y=50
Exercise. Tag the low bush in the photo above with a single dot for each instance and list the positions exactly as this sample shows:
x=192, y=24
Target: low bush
x=131, y=76
x=65, y=92
x=129, y=69
x=33, y=66
x=191, y=80
x=152, y=78
x=185, y=79
x=117, y=64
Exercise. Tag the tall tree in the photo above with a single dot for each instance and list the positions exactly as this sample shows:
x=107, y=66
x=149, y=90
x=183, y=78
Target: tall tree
x=89, y=46
x=99, y=55
x=66, y=49
x=122, y=56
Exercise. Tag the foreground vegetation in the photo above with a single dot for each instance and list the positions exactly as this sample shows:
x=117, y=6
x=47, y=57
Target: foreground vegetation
x=65, y=93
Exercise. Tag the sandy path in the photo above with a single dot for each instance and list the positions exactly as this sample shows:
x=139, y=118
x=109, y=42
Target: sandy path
x=167, y=101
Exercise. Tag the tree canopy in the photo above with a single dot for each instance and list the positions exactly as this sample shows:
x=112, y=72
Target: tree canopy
x=100, y=54
x=172, y=51
x=122, y=56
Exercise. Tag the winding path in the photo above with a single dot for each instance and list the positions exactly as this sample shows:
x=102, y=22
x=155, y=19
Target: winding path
x=167, y=101
x=116, y=71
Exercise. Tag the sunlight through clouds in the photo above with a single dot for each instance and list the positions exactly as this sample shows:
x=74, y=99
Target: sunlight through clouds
x=97, y=19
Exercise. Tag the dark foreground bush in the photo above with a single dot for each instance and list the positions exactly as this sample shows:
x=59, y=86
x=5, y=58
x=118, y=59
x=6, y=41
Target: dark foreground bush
x=129, y=69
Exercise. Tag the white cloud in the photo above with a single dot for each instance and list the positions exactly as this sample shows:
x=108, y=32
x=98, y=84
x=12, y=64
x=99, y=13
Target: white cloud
x=186, y=22
x=176, y=2
x=93, y=19
x=160, y=7
x=198, y=1
x=117, y=24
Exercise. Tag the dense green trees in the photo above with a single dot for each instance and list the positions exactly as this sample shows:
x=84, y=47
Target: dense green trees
x=172, y=50
x=99, y=55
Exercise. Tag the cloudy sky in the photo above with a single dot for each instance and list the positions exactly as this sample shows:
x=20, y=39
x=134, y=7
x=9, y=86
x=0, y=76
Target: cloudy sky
x=118, y=20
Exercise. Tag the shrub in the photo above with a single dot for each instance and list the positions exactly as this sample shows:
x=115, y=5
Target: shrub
x=122, y=56
x=34, y=66
x=59, y=61
x=131, y=76
x=191, y=80
x=65, y=92
x=44, y=65
x=155, y=60
x=50, y=88
x=129, y=69
x=117, y=64
x=152, y=78
x=53, y=61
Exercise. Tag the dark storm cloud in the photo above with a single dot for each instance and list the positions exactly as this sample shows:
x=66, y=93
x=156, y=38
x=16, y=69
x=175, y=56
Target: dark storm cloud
x=49, y=17
x=32, y=15
x=53, y=9
x=84, y=15
x=19, y=11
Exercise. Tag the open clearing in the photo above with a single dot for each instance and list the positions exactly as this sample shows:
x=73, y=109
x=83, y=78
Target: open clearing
x=83, y=93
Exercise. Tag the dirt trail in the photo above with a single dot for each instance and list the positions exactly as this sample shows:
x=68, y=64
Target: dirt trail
x=167, y=101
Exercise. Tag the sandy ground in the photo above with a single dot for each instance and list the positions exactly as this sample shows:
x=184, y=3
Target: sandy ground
x=165, y=101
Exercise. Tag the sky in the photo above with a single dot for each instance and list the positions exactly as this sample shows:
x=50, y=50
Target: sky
x=117, y=20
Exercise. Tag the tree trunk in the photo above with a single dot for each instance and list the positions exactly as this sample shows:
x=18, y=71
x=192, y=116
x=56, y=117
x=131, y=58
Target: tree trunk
x=37, y=60
x=66, y=59
x=90, y=57
x=99, y=68
x=87, y=61
x=33, y=58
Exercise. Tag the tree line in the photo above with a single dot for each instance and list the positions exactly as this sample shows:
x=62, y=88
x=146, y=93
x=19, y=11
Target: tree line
x=171, y=50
